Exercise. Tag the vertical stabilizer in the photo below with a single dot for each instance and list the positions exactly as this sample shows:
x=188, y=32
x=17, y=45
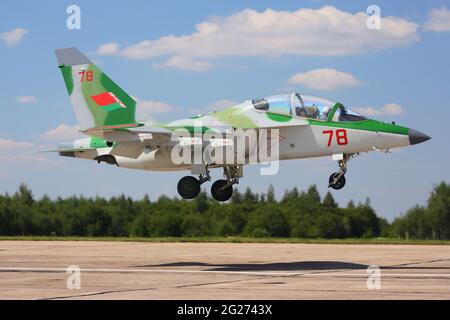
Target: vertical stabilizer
x=97, y=100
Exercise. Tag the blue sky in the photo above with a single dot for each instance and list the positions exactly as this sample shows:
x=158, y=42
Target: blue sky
x=407, y=68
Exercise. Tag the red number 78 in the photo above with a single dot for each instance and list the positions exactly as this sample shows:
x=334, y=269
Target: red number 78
x=89, y=75
x=341, y=137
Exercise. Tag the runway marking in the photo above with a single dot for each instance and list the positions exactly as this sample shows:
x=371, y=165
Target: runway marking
x=251, y=273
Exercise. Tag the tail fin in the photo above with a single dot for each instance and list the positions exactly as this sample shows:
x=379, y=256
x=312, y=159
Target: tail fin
x=96, y=99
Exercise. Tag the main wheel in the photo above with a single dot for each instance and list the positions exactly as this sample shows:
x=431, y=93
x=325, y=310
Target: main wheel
x=188, y=187
x=339, y=184
x=220, y=193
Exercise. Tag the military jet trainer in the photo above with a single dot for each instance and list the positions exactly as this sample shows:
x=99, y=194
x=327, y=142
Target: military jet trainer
x=297, y=125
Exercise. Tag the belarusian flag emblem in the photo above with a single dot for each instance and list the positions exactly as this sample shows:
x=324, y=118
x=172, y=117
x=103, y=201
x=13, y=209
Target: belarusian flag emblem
x=108, y=101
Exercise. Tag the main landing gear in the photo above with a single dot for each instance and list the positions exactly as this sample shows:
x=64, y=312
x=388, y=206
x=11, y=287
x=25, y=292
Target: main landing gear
x=189, y=187
x=221, y=190
x=337, y=179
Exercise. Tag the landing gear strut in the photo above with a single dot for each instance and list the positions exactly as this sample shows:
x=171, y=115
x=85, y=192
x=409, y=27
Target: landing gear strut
x=222, y=190
x=337, y=179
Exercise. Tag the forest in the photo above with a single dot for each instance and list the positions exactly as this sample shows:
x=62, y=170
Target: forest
x=299, y=214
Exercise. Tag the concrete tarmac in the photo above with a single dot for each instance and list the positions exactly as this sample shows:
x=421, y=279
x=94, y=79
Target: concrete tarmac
x=138, y=270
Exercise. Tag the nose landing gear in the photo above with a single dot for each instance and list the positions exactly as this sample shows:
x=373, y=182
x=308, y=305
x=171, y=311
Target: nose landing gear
x=337, y=179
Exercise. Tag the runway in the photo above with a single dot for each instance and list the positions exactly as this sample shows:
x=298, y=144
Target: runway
x=138, y=270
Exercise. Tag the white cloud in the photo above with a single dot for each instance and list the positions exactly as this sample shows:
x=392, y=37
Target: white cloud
x=438, y=20
x=63, y=132
x=13, y=37
x=8, y=145
x=108, y=49
x=393, y=109
x=12, y=150
x=321, y=32
x=324, y=79
x=150, y=106
x=183, y=63
x=26, y=99
x=390, y=109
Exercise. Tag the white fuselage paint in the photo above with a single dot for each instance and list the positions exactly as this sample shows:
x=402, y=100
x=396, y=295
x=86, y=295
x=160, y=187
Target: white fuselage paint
x=310, y=141
x=296, y=142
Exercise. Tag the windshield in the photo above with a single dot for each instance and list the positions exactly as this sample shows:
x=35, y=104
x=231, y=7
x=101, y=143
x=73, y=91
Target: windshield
x=344, y=114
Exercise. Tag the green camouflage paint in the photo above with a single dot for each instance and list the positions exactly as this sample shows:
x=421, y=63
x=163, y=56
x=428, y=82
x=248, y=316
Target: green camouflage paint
x=98, y=143
x=67, y=76
x=110, y=116
x=277, y=117
x=234, y=117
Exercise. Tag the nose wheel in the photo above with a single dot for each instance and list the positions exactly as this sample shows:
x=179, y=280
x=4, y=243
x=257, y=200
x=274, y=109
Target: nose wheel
x=337, y=179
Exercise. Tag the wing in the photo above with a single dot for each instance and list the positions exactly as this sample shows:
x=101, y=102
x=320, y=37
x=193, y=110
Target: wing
x=128, y=133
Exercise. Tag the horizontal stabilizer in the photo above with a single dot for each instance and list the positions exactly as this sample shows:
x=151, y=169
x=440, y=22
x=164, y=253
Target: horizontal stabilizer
x=66, y=150
x=113, y=127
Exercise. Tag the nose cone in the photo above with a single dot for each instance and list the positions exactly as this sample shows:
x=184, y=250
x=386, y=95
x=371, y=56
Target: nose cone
x=416, y=137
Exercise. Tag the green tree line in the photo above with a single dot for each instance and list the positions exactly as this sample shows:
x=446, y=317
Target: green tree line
x=429, y=222
x=302, y=214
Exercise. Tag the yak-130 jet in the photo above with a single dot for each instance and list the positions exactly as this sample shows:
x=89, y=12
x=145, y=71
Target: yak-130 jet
x=288, y=126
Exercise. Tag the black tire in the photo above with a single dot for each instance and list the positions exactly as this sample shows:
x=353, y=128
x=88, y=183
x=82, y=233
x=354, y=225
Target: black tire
x=188, y=187
x=339, y=184
x=220, y=194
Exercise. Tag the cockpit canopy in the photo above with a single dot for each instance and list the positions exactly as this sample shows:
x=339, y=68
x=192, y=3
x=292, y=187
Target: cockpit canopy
x=307, y=107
